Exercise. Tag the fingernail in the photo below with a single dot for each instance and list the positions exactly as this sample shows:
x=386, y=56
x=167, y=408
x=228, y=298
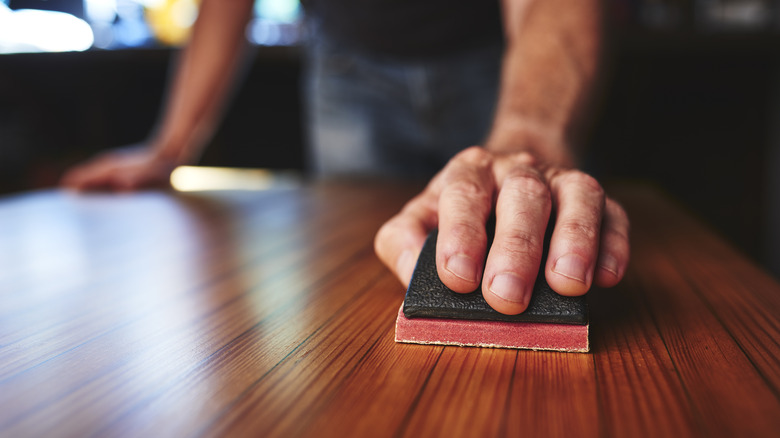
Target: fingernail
x=609, y=263
x=509, y=287
x=571, y=266
x=462, y=266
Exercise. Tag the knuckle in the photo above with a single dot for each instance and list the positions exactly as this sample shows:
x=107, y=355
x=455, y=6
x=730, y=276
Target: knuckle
x=617, y=212
x=521, y=244
x=580, y=230
x=527, y=183
x=473, y=154
x=581, y=179
x=419, y=202
x=473, y=157
x=471, y=190
x=468, y=231
x=618, y=238
x=622, y=246
x=524, y=158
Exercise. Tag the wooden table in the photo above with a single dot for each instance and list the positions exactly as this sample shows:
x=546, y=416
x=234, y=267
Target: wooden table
x=267, y=314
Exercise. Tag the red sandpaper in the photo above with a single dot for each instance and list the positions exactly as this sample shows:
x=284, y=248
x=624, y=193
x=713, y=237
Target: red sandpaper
x=499, y=334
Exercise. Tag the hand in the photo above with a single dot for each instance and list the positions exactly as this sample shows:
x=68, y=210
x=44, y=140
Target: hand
x=589, y=243
x=121, y=170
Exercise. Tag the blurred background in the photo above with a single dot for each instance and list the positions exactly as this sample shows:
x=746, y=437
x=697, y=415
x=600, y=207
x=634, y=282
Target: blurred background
x=690, y=97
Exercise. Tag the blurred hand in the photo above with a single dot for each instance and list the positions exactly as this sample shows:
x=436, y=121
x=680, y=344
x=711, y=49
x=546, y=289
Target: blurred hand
x=589, y=244
x=121, y=170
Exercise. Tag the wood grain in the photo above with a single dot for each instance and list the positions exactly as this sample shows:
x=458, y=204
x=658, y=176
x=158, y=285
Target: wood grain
x=267, y=314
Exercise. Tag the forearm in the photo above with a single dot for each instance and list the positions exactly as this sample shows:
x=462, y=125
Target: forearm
x=205, y=71
x=549, y=67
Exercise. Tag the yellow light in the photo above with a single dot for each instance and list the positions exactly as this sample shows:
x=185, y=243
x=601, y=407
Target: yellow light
x=201, y=178
x=172, y=20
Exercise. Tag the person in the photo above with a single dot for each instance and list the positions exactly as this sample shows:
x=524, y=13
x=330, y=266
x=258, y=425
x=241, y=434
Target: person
x=525, y=98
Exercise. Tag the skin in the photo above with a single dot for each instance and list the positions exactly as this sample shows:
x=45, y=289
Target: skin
x=589, y=244
x=205, y=73
x=525, y=172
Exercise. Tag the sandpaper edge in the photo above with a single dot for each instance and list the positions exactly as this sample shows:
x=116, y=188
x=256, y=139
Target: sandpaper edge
x=493, y=334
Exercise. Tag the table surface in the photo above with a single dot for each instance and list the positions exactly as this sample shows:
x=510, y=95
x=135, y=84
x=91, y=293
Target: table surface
x=268, y=314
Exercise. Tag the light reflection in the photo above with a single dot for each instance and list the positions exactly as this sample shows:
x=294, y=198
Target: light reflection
x=38, y=243
x=101, y=15
x=273, y=33
x=171, y=20
x=110, y=284
x=283, y=11
x=153, y=271
x=118, y=24
x=199, y=178
x=32, y=30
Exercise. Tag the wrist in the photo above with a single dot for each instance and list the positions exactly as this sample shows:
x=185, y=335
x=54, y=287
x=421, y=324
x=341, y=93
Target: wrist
x=176, y=150
x=546, y=142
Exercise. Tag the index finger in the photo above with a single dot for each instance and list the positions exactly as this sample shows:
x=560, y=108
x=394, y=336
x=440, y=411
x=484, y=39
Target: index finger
x=465, y=202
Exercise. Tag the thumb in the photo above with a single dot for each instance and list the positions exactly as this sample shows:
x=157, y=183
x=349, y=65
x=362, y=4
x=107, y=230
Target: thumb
x=398, y=244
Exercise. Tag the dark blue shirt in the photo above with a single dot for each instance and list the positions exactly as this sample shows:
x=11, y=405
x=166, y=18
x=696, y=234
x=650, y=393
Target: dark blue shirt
x=408, y=28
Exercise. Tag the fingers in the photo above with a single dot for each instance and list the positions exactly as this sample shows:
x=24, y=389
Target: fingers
x=589, y=243
x=522, y=211
x=465, y=201
x=119, y=171
x=458, y=202
x=574, y=246
x=614, y=250
x=399, y=241
x=97, y=173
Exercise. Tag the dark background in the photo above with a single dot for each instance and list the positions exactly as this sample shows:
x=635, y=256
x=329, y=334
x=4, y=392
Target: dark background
x=693, y=111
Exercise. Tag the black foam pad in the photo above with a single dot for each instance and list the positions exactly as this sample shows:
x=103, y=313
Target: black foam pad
x=428, y=297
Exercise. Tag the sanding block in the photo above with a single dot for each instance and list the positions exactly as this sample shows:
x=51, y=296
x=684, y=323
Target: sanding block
x=433, y=314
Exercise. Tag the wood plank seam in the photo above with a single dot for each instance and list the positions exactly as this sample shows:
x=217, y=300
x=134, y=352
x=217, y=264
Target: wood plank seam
x=602, y=419
x=325, y=399
x=697, y=415
x=736, y=341
x=504, y=427
x=255, y=383
x=407, y=418
x=693, y=377
x=359, y=254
